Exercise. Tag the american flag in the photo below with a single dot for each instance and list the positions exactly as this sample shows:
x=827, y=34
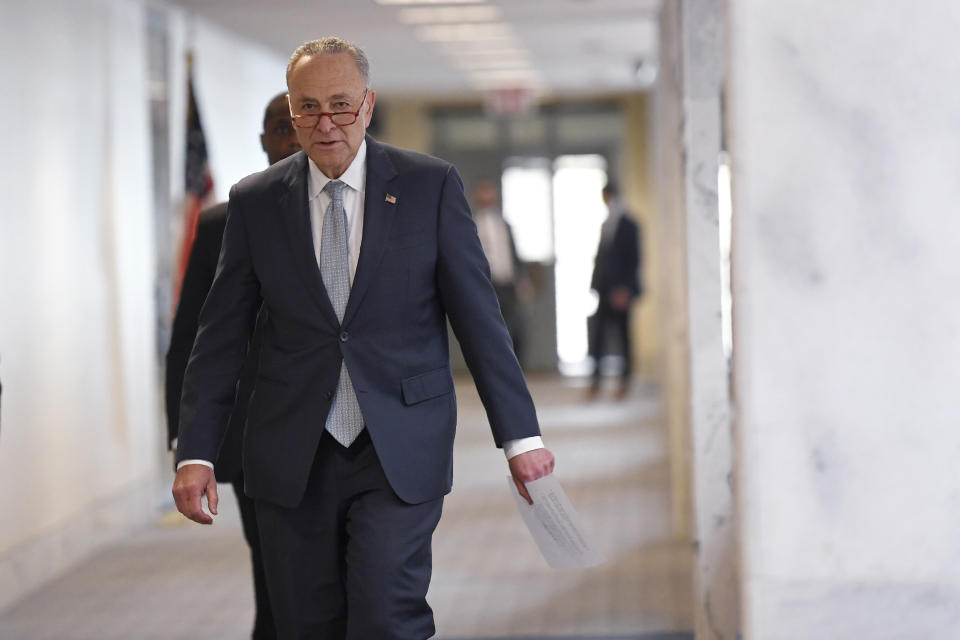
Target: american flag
x=198, y=183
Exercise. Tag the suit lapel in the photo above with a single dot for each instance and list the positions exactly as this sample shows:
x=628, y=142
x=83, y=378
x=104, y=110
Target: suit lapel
x=378, y=217
x=295, y=215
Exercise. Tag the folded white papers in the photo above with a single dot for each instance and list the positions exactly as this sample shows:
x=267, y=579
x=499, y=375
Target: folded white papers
x=555, y=525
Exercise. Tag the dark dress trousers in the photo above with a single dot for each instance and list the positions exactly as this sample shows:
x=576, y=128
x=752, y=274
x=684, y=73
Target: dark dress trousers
x=196, y=284
x=420, y=265
x=617, y=265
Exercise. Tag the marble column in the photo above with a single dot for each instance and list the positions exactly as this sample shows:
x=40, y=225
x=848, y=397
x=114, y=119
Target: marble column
x=698, y=397
x=845, y=146
x=717, y=613
x=672, y=288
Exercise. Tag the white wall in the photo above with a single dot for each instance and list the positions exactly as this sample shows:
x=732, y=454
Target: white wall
x=79, y=415
x=81, y=424
x=234, y=80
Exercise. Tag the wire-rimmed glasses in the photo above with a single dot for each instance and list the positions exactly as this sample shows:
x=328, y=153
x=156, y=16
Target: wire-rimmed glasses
x=339, y=118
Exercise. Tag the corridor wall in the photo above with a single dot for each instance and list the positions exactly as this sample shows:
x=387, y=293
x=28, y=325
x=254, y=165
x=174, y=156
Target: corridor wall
x=82, y=458
x=79, y=419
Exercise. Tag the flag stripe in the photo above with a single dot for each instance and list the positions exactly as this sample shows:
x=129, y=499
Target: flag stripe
x=198, y=184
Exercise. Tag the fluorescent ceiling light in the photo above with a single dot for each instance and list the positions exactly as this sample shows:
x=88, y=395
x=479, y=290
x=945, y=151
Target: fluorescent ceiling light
x=404, y=2
x=492, y=62
x=481, y=68
x=483, y=49
x=461, y=32
x=434, y=15
x=504, y=74
x=492, y=84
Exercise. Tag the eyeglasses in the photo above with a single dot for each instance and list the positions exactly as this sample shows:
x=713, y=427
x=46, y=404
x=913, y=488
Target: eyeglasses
x=339, y=118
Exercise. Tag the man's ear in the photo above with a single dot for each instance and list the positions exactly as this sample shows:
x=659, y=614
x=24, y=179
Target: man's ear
x=371, y=98
x=263, y=142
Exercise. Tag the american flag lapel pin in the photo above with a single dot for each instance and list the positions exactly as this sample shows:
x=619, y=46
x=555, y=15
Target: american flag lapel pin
x=392, y=199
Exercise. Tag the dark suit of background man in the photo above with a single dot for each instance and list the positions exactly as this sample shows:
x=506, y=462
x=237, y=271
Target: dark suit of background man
x=616, y=279
x=278, y=141
x=359, y=253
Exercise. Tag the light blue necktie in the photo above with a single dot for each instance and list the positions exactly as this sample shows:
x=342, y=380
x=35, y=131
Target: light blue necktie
x=344, y=422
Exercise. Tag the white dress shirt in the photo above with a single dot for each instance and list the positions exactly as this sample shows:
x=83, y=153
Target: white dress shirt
x=495, y=240
x=615, y=211
x=355, y=177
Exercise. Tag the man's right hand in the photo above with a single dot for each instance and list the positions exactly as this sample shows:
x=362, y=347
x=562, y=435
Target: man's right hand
x=191, y=482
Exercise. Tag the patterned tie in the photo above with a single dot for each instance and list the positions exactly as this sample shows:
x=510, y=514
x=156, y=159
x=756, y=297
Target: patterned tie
x=344, y=422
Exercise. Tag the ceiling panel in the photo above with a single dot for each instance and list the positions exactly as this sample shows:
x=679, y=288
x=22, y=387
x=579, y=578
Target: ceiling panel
x=565, y=45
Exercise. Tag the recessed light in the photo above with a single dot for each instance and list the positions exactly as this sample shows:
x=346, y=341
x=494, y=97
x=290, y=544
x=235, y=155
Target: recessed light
x=645, y=71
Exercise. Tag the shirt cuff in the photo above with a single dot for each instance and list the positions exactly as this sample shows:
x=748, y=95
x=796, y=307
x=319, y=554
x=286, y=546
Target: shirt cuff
x=512, y=448
x=184, y=463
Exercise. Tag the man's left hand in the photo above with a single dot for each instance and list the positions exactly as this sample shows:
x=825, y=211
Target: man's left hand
x=528, y=467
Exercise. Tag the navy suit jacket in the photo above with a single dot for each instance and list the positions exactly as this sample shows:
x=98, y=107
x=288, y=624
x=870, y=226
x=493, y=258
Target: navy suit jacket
x=420, y=265
x=618, y=261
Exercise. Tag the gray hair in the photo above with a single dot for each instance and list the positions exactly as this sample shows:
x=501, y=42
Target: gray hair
x=331, y=45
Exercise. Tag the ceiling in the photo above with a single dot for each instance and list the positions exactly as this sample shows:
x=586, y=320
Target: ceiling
x=456, y=47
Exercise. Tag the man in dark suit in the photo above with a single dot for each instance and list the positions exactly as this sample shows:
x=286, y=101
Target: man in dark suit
x=359, y=253
x=278, y=141
x=616, y=279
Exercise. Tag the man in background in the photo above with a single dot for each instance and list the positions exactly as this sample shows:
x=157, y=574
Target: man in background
x=278, y=141
x=616, y=279
x=507, y=273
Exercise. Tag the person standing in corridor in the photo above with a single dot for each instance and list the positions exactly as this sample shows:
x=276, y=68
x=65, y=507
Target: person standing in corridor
x=507, y=271
x=616, y=280
x=278, y=141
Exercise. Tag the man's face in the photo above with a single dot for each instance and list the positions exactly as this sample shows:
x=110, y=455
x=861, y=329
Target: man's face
x=278, y=138
x=330, y=83
x=484, y=195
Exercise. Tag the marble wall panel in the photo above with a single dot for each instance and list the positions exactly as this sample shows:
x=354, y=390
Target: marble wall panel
x=846, y=149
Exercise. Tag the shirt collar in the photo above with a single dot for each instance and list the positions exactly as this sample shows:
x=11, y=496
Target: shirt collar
x=616, y=210
x=354, y=177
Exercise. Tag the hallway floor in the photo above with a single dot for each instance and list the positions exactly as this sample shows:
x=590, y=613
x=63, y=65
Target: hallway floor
x=489, y=579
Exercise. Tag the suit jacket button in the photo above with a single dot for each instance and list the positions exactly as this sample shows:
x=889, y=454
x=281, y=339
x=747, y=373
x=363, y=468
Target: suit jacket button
x=344, y=336
x=328, y=395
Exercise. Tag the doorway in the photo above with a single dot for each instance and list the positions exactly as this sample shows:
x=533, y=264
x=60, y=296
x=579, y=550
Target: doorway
x=555, y=211
x=551, y=166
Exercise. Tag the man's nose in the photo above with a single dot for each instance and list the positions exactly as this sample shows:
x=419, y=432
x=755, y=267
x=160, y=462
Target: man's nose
x=326, y=124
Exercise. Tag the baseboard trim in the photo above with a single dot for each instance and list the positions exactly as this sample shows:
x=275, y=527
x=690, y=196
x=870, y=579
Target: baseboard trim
x=33, y=564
